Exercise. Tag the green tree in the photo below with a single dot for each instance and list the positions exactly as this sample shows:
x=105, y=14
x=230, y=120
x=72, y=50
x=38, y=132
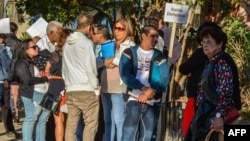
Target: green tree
x=238, y=47
x=66, y=11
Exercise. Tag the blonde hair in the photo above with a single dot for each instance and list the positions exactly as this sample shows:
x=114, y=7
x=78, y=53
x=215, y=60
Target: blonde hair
x=128, y=28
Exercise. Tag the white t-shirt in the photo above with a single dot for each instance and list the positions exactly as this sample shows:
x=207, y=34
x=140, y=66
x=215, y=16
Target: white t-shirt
x=144, y=59
x=42, y=87
x=44, y=43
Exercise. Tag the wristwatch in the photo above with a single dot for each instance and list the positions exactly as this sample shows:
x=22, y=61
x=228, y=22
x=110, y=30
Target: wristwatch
x=218, y=115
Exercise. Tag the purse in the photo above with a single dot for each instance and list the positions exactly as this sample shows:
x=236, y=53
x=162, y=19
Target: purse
x=232, y=115
x=50, y=102
x=220, y=135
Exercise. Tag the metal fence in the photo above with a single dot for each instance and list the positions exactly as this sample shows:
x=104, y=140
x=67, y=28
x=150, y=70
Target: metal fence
x=170, y=121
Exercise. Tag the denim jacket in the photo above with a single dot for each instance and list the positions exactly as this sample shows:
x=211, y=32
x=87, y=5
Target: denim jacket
x=4, y=63
x=158, y=75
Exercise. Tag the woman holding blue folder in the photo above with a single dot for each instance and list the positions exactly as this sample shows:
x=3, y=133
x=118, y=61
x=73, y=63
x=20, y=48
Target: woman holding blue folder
x=112, y=98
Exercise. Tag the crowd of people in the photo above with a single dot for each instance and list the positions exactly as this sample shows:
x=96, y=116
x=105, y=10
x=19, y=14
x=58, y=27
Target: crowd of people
x=119, y=90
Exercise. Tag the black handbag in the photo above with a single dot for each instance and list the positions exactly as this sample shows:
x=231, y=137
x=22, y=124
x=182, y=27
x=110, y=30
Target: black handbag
x=50, y=102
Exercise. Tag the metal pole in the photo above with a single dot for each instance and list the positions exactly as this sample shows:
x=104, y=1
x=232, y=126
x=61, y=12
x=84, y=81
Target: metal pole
x=156, y=3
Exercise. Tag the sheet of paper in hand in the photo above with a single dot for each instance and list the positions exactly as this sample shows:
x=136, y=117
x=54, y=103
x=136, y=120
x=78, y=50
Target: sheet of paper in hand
x=38, y=28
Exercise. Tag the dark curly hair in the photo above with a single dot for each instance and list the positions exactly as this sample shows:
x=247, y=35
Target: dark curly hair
x=202, y=26
x=216, y=33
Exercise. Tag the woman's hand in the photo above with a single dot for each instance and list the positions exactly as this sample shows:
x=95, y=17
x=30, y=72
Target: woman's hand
x=111, y=66
x=36, y=39
x=108, y=62
x=217, y=124
x=49, y=77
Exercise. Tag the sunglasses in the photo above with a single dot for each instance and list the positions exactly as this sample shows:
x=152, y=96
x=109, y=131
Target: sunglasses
x=94, y=33
x=119, y=28
x=34, y=47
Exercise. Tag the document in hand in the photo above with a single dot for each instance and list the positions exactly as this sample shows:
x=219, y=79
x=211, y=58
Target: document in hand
x=150, y=102
x=5, y=25
x=38, y=28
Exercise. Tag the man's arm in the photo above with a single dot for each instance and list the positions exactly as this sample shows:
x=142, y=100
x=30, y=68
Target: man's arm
x=90, y=66
x=127, y=72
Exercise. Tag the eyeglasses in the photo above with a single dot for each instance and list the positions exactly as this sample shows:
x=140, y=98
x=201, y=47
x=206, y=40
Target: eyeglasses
x=154, y=36
x=34, y=47
x=207, y=42
x=59, y=33
x=94, y=33
x=119, y=28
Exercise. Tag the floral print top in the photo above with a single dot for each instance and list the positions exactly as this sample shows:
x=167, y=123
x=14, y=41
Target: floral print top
x=223, y=80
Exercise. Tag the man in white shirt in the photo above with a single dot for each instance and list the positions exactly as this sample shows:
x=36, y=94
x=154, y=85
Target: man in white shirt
x=48, y=41
x=80, y=76
x=47, y=44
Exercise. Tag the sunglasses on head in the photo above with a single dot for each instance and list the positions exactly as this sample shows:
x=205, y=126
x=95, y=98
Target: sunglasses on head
x=34, y=47
x=119, y=28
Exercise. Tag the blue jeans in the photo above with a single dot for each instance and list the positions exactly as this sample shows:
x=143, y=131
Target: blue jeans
x=139, y=122
x=113, y=112
x=79, y=129
x=35, y=118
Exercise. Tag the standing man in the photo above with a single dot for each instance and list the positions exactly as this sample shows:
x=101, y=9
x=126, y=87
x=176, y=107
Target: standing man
x=49, y=41
x=13, y=42
x=99, y=35
x=165, y=34
x=80, y=75
x=144, y=70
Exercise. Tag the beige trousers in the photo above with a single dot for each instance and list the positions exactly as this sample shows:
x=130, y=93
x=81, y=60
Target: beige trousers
x=85, y=102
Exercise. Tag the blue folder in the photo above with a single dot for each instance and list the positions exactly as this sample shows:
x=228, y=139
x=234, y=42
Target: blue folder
x=108, y=49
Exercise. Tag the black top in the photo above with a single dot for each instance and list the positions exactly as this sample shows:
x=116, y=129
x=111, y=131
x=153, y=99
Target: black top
x=236, y=91
x=25, y=71
x=14, y=43
x=56, y=85
x=195, y=66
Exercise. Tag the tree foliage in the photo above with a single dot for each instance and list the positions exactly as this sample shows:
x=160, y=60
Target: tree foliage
x=66, y=11
x=238, y=47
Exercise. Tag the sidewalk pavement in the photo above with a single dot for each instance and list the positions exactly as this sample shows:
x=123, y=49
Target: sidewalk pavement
x=18, y=127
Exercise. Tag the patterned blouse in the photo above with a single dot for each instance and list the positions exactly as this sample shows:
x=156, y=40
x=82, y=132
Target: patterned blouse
x=223, y=80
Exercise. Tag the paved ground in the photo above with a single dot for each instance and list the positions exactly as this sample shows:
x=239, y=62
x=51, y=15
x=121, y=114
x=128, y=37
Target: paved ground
x=18, y=127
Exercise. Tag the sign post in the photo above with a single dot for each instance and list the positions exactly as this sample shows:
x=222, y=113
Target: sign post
x=174, y=13
x=5, y=25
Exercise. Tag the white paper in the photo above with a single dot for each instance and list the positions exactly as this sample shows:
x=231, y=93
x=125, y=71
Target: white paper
x=150, y=102
x=38, y=28
x=176, y=13
x=5, y=25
